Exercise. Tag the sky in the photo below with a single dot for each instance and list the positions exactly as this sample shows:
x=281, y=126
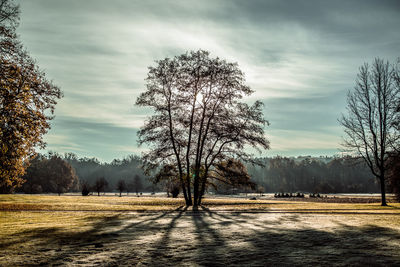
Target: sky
x=300, y=58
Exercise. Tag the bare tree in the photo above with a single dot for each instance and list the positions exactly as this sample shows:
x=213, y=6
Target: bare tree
x=100, y=185
x=168, y=175
x=121, y=186
x=369, y=124
x=137, y=184
x=9, y=13
x=85, y=188
x=199, y=119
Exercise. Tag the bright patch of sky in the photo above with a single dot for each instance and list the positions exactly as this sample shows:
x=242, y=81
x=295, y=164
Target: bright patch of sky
x=300, y=57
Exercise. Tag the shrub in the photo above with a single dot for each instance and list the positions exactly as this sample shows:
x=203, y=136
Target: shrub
x=175, y=191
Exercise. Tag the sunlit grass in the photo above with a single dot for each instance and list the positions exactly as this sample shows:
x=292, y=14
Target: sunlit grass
x=45, y=223
x=91, y=203
x=115, y=203
x=24, y=231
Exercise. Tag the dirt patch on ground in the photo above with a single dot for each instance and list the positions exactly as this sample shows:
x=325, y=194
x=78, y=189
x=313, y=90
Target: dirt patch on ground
x=207, y=238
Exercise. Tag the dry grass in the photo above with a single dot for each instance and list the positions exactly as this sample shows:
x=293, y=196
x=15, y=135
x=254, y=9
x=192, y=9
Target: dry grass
x=154, y=231
x=90, y=203
x=114, y=203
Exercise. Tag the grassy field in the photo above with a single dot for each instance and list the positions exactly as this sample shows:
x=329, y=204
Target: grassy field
x=157, y=231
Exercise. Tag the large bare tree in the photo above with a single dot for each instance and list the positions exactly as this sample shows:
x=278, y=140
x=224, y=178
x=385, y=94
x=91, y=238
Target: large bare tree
x=369, y=123
x=199, y=118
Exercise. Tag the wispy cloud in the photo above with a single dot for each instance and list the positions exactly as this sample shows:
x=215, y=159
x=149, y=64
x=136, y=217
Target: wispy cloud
x=289, y=140
x=300, y=58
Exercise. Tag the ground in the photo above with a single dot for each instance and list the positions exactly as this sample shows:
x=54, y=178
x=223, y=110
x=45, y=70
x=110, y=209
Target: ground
x=156, y=231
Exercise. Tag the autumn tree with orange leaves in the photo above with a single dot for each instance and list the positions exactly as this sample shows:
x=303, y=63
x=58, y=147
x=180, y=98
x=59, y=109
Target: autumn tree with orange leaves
x=27, y=102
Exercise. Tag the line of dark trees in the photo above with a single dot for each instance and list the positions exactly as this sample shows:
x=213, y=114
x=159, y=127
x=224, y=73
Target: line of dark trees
x=123, y=175
x=54, y=173
x=306, y=174
x=279, y=174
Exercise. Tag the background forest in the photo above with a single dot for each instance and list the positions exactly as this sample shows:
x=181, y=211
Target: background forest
x=279, y=174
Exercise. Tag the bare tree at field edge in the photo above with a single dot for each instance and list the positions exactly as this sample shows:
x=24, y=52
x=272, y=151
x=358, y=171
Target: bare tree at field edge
x=369, y=124
x=121, y=186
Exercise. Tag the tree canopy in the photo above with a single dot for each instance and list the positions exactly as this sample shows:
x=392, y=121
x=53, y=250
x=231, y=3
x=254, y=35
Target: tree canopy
x=27, y=102
x=199, y=119
x=50, y=175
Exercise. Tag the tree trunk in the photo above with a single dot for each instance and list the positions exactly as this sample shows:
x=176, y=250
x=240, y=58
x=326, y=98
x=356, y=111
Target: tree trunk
x=203, y=185
x=196, y=189
x=188, y=197
x=184, y=190
x=202, y=190
x=185, y=195
x=383, y=192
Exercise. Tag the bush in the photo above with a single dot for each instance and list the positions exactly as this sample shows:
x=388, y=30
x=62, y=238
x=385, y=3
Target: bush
x=32, y=189
x=85, y=191
x=175, y=191
x=85, y=188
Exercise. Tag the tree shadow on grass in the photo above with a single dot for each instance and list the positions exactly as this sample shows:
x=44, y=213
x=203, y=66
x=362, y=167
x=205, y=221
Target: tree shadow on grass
x=211, y=238
x=277, y=245
x=64, y=245
x=368, y=245
x=209, y=242
x=164, y=245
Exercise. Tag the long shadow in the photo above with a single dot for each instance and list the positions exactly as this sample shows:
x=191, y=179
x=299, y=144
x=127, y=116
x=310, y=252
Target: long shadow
x=356, y=246
x=103, y=231
x=209, y=241
x=246, y=203
x=348, y=246
x=221, y=216
x=151, y=221
x=165, y=242
x=269, y=243
x=311, y=211
x=99, y=225
x=239, y=217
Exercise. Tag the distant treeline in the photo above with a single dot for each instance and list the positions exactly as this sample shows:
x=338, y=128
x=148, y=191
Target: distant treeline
x=91, y=169
x=55, y=173
x=307, y=174
x=279, y=174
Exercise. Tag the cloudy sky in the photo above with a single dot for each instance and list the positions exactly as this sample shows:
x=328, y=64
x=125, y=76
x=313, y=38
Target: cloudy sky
x=300, y=57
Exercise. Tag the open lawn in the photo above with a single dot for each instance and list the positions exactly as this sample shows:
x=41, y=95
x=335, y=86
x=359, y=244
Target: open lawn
x=156, y=231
